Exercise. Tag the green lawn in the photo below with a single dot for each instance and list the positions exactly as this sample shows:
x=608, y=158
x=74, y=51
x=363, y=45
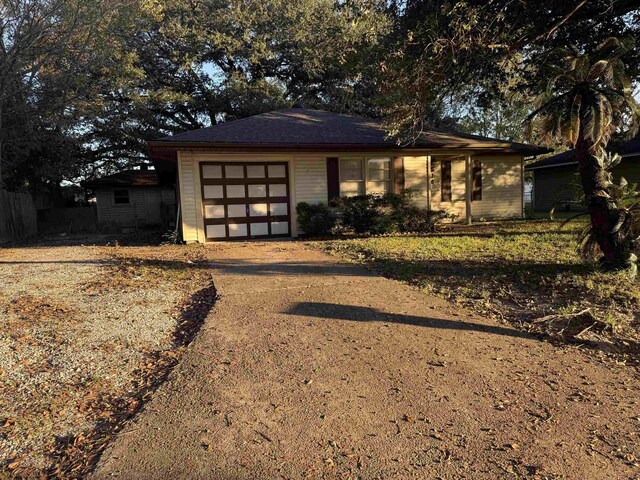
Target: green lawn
x=518, y=270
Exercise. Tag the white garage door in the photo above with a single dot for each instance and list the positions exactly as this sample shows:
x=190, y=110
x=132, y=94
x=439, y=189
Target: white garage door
x=245, y=200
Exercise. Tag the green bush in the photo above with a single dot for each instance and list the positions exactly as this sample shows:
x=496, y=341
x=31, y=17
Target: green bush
x=362, y=214
x=386, y=214
x=316, y=220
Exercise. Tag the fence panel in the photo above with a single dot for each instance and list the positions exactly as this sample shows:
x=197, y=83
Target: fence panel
x=18, y=216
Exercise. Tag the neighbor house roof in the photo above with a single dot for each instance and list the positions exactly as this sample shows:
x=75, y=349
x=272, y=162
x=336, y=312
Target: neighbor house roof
x=629, y=148
x=302, y=128
x=128, y=178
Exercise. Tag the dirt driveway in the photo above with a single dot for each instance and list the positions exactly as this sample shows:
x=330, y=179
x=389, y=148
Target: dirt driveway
x=311, y=368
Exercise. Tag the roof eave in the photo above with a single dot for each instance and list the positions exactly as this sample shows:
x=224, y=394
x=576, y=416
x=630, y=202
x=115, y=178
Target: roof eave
x=502, y=148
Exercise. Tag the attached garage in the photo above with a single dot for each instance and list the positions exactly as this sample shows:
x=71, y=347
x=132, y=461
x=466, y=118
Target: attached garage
x=243, y=200
x=243, y=179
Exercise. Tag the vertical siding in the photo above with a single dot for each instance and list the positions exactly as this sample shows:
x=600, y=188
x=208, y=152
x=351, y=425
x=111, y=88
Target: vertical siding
x=501, y=187
x=310, y=179
x=415, y=178
x=188, y=196
x=553, y=187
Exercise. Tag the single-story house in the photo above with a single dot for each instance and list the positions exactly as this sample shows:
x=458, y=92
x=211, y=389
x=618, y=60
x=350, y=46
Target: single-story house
x=134, y=199
x=556, y=181
x=243, y=179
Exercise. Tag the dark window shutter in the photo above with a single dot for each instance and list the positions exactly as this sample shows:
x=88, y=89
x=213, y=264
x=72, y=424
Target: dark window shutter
x=398, y=174
x=333, y=178
x=476, y=180
x=445, y=183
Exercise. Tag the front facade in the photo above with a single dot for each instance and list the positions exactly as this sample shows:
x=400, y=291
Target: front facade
x=241, y=190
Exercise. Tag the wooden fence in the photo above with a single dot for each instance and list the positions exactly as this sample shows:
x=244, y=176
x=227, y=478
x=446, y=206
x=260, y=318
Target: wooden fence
x=18, y=216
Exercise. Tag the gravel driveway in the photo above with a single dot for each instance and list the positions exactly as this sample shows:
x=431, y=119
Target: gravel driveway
x=311, y=368
x=86, y=332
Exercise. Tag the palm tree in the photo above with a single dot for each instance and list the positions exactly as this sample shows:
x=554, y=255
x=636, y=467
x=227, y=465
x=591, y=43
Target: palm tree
x=582, y=104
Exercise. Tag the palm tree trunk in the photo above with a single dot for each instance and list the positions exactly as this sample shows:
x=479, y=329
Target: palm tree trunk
x=604, y=212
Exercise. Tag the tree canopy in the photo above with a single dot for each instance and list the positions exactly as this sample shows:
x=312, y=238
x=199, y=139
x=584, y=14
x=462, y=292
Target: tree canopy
x=84, y=83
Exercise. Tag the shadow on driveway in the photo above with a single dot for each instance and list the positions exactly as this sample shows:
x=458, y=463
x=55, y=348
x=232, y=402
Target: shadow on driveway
x=353, y=313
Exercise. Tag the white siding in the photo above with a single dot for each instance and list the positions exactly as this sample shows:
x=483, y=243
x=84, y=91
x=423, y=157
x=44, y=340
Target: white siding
x=188, y=196
x=311, y=179
x=415, y=178
x=501, y=188
x=132, y=214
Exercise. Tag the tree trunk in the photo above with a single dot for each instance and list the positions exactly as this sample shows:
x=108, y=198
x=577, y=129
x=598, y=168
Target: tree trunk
x=604, y=212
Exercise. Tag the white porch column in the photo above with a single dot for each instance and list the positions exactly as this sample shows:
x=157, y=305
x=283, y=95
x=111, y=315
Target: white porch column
x=468, y=186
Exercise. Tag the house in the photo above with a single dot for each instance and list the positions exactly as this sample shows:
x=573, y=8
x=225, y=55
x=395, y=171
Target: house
x=242, y=179
x=556, y=182
x=134, y=199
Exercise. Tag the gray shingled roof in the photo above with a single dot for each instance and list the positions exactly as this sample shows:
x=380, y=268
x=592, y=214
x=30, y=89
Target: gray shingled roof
x=628, y=148
x=127, y=178
x=301, y=127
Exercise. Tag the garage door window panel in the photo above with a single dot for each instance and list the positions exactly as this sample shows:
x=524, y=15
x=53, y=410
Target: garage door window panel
x=248, y=200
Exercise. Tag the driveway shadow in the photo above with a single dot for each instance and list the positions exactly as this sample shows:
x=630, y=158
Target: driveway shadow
x=332, y=311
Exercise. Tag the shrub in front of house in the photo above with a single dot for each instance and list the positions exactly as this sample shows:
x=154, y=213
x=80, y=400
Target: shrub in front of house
x=316, y=220
x=369, y=215
x=363, y=214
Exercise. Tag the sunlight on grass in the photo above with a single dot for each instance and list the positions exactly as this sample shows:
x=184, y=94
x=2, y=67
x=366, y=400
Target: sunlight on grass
x=521, y=269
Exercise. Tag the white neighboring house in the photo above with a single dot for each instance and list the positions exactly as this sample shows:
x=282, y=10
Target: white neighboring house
x=134, y=199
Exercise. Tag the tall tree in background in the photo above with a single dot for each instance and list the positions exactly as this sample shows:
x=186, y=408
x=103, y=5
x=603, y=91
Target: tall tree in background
x=106, y=76
x=586, y=99
x=484, y=52
x=200, y=63
x=54, y=57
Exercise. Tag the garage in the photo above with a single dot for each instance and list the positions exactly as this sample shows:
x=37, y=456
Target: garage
x=245, y=200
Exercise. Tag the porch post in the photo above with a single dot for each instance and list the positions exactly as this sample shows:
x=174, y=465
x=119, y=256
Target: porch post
x=468, y=187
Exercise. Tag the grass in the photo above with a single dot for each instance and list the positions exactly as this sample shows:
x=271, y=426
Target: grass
x=520, y=271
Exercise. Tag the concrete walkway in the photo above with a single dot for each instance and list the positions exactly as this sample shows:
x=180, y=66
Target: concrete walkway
x=311, y=368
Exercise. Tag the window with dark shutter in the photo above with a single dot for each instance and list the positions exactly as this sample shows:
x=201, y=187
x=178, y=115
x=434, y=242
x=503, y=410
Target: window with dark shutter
x=476, y=187
x=445, y=183
x=333, y=178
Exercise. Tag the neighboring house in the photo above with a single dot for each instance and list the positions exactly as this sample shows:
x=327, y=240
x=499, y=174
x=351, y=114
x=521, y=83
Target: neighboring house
x=556, y=182
x=243, y=179
x=134, y=198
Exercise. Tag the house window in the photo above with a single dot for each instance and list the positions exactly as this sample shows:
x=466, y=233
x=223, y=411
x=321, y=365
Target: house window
x=378, y=175
x=121, y=197
x=476, y=181
x=445, y=180
x=351, y=177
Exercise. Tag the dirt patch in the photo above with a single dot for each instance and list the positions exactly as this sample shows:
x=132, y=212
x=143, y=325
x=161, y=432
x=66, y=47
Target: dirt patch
x=309, y=367
x=87, y=334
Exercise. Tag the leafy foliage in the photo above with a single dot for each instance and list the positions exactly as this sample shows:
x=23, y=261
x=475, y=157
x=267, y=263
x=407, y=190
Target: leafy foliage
x=316, y=220
x=386, y=214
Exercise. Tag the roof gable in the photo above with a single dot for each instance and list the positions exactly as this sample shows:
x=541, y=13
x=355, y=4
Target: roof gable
x=302, y=127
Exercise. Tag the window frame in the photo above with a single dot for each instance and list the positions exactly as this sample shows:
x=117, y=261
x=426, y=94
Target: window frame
x=364, y=165
x=115, y=196
x=388, y=181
